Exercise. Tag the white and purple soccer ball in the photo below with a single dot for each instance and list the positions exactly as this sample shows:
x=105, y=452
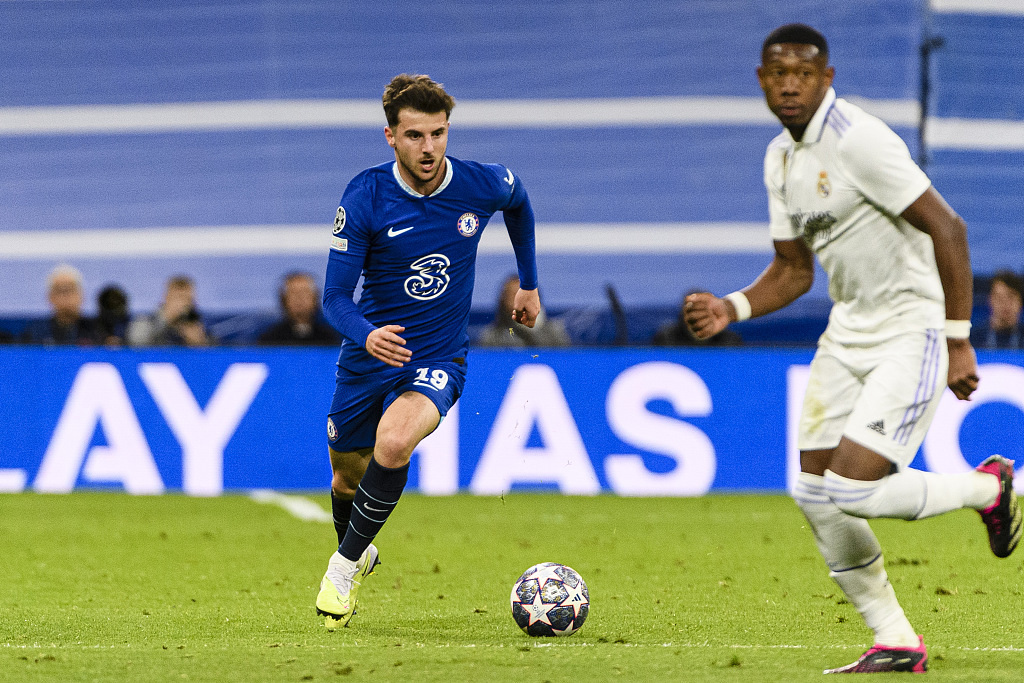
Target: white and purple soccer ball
x=550, y=599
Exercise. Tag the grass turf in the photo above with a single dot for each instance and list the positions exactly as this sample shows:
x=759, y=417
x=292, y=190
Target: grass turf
x=110, y=587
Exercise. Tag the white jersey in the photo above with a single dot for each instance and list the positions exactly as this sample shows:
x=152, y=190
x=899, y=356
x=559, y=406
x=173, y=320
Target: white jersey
x=842, y=190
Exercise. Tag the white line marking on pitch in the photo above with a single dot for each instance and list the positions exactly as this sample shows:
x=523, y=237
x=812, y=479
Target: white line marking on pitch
x=333, y=646
x=298, y=506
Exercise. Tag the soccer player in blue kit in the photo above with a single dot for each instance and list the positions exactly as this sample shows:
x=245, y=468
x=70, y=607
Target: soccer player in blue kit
x=411, y=228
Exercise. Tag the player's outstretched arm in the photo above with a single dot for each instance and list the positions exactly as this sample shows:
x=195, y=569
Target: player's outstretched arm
x=787, y=277
x=932, y=215
x=385, y=345
x=527, y=307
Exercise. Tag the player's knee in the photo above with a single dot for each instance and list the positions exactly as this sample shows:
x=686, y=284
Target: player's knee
x=854, y=497
x=393, y=448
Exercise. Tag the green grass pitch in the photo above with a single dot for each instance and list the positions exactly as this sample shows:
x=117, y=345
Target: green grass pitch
x=110, y=587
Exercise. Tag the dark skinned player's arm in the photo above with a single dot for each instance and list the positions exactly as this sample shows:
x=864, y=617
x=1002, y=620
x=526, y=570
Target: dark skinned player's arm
x=788, y=277
x=930, y=214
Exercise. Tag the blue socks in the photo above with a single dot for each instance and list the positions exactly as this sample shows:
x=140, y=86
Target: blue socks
x=341, y=510
x=376, y=497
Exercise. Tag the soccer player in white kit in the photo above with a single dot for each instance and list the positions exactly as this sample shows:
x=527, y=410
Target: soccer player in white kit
x=843, y=186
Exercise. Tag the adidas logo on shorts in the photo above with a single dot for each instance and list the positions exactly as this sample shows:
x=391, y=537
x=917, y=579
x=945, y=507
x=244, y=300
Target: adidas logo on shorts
x=877, y=426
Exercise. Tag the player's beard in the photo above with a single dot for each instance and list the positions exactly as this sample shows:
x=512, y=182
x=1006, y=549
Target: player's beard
x=416, y=171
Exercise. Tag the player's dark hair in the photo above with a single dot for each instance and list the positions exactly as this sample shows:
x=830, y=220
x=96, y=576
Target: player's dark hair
x=1011, y=280
x=801, y=34
x=415, y=91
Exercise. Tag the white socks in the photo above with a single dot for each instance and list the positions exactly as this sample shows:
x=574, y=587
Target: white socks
x=843, y=541
x=837, y=509
x=871, y=593
x=340, y=566
x=911, y=494
x=855, y=559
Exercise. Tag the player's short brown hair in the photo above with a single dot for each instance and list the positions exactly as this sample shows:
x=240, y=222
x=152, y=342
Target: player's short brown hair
x=415, y=91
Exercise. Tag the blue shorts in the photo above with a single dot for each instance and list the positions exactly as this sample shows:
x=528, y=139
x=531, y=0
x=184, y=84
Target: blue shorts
x=360, y=400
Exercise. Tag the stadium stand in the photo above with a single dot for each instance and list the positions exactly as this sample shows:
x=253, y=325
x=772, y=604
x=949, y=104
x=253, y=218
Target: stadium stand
x=979, y=77
x=145, y=140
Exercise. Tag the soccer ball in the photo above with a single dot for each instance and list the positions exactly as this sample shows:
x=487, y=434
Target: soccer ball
x=550, y=599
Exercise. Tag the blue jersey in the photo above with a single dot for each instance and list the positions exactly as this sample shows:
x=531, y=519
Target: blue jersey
x=417, y=255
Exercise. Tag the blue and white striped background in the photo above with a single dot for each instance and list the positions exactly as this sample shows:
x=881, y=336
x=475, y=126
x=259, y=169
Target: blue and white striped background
x=146, y=139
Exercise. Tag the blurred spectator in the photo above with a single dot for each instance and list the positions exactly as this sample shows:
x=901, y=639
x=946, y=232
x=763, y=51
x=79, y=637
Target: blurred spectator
x=503, y=331
x=1003, y=328
x=112, y=320
x=176, y=323
x=65, y=326
x=300, y=323
x=676, y=333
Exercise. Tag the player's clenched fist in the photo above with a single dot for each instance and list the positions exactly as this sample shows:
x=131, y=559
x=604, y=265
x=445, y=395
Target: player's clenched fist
x=527, y=307
x=706, y=315
x=963, y=369
x=385, y=345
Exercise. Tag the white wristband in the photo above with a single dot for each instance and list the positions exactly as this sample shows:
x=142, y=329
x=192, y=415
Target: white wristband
x=740, y=303
x=958, y=329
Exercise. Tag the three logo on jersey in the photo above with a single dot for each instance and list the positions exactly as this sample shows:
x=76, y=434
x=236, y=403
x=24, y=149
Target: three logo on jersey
x=431, y=279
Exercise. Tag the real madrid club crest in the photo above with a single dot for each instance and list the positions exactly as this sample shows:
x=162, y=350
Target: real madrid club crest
x=468, y=224
x=339, y=220
x=824, y=186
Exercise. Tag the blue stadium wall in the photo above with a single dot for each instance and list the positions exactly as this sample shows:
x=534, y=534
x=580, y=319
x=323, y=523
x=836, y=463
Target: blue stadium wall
x=630, y=422
x=133, y=204
x=662, y=195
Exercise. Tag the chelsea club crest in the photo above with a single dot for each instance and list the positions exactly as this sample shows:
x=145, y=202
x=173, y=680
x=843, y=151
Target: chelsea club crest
x=468, y=224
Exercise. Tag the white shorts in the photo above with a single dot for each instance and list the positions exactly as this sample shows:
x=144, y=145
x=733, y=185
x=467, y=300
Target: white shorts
x=881, y=396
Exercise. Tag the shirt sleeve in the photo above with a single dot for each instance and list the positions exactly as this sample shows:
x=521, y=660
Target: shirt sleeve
x=350, y=244
x=880, y=166
x=780, y=226
x=519, y=221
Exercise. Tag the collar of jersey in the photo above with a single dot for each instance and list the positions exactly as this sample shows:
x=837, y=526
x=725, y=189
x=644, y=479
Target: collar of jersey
x=449, y=172
x=817, y=123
